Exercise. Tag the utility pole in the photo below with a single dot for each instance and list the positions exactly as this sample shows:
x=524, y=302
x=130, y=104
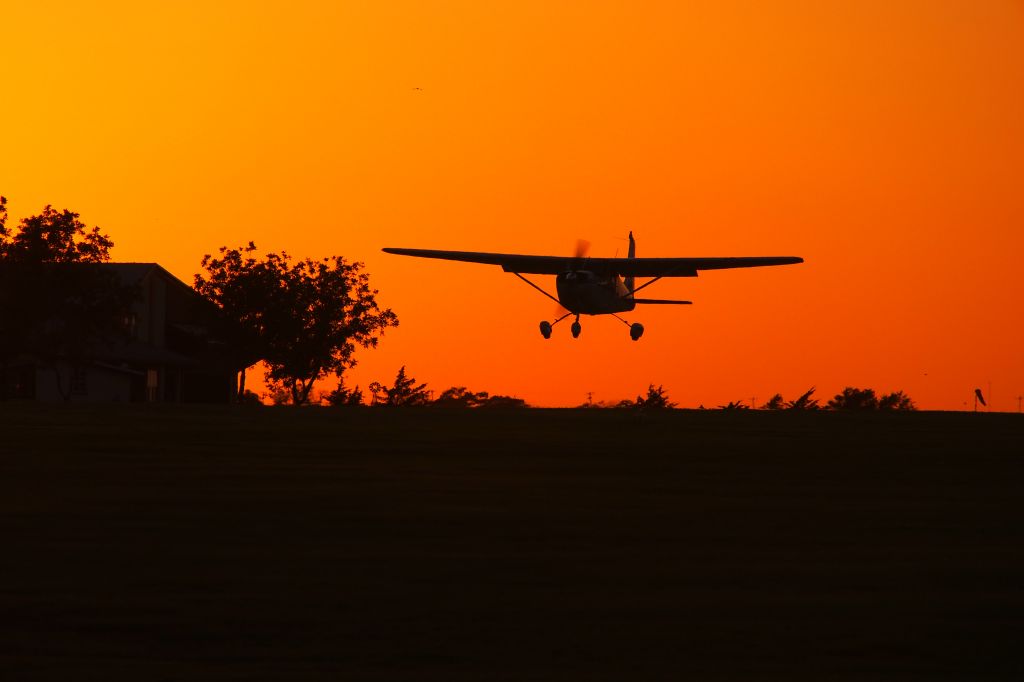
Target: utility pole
x=1019, y=398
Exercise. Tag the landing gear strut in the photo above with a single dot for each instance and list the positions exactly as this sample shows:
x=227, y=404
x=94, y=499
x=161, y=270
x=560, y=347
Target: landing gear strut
x=636, y=330
x=576, y=328
x=545, y=326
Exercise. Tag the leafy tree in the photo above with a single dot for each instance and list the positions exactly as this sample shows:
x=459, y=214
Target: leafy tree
x=56, y=304
x=343, y=396
x=734, y=405
x=503, y=401
x=278, y=393
x=776, y=402
x=656, y=399
x=405, y=392
x=896, y=401
x=53, y=237
x=804, y=402
x=854, y=399
x=249, y=398
x=460, y=396
x=303, y=318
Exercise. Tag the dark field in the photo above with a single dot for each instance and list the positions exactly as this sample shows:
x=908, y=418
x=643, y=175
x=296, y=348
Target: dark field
x=262, y=544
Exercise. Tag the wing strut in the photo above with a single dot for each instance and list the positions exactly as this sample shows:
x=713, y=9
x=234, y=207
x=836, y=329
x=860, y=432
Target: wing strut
x=644, y=285
x=537, y=288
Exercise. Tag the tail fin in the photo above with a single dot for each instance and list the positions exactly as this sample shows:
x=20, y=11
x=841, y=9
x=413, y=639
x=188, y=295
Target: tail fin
x=632, y=254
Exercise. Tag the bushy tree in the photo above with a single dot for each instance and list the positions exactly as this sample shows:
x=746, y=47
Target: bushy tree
x=656, y=399
x=897, y=401
x=460, y=396
x=343, y=396
x=303, y=318
x=776, y=402
x=804, y=402
x=404, y=393
x=854, y=399
x=734, y=405
x=503, y=401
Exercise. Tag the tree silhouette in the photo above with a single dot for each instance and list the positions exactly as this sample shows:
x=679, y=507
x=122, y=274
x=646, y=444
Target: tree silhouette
x=734, y=405
x=896, y=401
x=776, y=402
x=804, y=402
x=303, y=318
x=404, y=393
x=503, y=401
x=854, y=399
x=343, y=396
x=460, y=396
x=656, y=399
x=56, y=305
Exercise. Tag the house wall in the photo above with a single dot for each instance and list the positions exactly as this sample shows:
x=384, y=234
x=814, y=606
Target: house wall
x=88, y=384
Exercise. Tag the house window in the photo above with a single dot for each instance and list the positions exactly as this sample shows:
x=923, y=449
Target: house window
x=131, y=325
x=152, y=384
x=79, y=381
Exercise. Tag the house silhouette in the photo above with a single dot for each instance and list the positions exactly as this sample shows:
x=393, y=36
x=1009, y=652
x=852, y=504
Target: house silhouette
x=172, y=349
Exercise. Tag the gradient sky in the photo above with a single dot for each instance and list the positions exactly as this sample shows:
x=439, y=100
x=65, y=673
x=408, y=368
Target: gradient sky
x=882, y=141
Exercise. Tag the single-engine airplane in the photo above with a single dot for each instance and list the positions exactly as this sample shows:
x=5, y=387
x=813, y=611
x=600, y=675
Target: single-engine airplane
x=599, y=286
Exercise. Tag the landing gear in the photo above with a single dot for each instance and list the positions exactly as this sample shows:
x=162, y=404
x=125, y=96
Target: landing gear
x=636, y=330
x=545, y=326
x=576, y=328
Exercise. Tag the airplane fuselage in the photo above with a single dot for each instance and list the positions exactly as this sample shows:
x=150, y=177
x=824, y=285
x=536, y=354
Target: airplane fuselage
x=586, y=293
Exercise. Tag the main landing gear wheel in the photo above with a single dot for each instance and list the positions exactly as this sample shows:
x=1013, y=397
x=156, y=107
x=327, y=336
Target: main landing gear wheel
x=576, y=328
x=636, y=330
x=545, y=329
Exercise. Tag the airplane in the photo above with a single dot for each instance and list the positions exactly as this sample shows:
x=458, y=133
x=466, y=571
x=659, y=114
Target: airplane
x=598, y=286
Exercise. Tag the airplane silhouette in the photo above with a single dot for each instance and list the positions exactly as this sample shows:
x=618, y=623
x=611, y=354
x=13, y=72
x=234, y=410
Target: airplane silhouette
x=598, y=286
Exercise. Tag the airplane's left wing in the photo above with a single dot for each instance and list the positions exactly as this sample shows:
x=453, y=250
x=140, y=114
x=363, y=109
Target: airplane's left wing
x=510, y=262
x=638, y=267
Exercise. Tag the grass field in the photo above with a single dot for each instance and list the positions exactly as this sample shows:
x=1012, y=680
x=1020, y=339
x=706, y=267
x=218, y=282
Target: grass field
x=150, y=543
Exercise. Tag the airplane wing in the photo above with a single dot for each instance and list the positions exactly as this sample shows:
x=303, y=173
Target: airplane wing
x=636, y=267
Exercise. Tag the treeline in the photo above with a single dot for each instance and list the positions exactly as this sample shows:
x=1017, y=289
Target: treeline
x=404, y=391
x=849, y=399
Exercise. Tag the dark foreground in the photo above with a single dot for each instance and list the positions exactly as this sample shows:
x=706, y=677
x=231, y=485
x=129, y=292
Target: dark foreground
x=266, y=544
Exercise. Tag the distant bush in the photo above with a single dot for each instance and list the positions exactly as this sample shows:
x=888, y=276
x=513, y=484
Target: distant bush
x=863, y=399
x=343, y=397
x=404, y=393
x=896, y=401
x=656, y=399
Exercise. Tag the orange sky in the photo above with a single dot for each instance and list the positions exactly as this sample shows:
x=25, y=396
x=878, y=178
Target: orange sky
x=882, y=141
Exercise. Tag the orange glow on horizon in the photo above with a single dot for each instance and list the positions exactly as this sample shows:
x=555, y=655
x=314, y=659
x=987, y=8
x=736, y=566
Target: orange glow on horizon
x=883, y=142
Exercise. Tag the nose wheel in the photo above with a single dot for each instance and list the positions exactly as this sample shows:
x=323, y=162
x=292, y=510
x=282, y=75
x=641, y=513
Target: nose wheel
x=576, y=328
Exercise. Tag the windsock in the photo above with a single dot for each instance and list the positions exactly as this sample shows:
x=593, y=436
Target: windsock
x=980, y=397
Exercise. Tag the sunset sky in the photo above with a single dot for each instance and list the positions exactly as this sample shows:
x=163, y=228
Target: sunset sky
x=881, y=141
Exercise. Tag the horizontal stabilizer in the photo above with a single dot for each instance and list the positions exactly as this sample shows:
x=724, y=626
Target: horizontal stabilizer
x=661, y=301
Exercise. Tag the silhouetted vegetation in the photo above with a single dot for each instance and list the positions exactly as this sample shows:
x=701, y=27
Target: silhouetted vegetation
x=56, y=304
x=859, y=399
x=897, y=401
x=403, y=393
x=734, y=405
x=303, y=318
x=804, y=402
x=406, y=392
x=460, y=396
x=342, y=396
x=656, y=399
